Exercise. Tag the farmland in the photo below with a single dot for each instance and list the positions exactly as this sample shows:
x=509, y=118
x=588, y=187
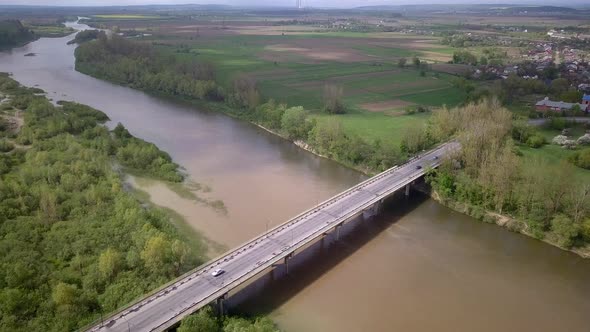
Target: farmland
x=292, y=64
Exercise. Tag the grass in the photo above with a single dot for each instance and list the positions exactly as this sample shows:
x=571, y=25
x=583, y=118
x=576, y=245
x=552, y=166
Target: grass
x=553, y=154
x=51, y=30
x=373, y=126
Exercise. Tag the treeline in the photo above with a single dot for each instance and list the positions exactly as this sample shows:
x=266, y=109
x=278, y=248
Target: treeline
x=139, y=65
x=86, y=35
x=515, y=88
x=326, y=138
x=73, y=243
x=13, y=33
x=488, y=175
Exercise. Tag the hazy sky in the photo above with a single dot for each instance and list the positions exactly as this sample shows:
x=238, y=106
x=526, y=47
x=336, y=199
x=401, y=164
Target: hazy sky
x=311, y=3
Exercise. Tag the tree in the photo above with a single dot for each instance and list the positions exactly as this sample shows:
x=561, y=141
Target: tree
x=110, y=263
x=156, y=254
x=245, y=92
x=295, y=123
x=572, y=96
x=202, y=321
x=402, y=62
x=333, y=99
x=565, y=230
x=464, y=57
x=414, y=140
x=65, y=294
x=559, y=86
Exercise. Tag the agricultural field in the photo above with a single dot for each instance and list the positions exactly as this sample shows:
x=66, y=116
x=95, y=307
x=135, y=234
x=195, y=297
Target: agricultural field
x=294, y=55
x=292, y=64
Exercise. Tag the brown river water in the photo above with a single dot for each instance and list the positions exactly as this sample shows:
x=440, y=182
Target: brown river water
x=418, y=267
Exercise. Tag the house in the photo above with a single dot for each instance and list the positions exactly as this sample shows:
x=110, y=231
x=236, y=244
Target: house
x=558, y=106
x=586, y=100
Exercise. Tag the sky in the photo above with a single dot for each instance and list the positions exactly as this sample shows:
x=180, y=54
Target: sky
x=311, y=3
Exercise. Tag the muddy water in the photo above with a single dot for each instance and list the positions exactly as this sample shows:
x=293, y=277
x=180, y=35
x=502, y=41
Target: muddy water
x=420, y=267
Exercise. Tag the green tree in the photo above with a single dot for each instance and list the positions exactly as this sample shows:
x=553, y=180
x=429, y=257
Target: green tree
x=156, y=254
x=202, y=321
x=65, y=294
x=110, y=263
x=333, y=99
x=295, y=123
x=565, y=230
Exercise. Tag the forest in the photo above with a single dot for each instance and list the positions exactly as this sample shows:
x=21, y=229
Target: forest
x=74, y=243
x=549, y=201
x=13, y=33
x=138, y=65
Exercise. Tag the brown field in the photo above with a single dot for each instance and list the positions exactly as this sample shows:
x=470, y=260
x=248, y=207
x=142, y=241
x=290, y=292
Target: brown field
x=386, y=105
x=321, y=50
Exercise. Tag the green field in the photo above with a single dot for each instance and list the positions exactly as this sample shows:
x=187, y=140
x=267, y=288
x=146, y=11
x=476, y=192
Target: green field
x=51, y=30
x=554, y=154
x=298, y=80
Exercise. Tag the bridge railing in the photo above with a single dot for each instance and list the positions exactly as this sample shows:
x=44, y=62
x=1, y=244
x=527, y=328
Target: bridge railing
x=281, y=255
x=139, y=302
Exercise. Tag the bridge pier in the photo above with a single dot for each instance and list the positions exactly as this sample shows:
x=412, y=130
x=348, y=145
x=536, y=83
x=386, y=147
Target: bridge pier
x=407, y=190
x=337, y=229
x=219, y=304
x=287, y=258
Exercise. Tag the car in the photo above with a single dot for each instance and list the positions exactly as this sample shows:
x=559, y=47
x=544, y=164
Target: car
x=217, y=272
x=435, y=158
x=418, y=166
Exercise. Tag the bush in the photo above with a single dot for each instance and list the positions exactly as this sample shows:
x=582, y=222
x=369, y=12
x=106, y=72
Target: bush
x=557, y=123
x=565, y=230
x=536, y=141
x=581, y=158
x=6, y=146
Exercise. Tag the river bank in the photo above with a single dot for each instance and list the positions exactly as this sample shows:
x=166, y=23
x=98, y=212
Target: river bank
x=505, y=221
x=489, y=216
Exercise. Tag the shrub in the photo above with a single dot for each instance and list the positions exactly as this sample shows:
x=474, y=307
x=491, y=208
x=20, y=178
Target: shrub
x=536, y=141
x=581, y=159
x=565, y=230
x=6, y=146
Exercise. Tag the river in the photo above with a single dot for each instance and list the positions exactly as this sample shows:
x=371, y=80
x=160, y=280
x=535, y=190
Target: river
x=418, y=267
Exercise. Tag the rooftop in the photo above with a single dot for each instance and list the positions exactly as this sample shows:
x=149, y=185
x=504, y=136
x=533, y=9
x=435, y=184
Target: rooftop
x=559, y=104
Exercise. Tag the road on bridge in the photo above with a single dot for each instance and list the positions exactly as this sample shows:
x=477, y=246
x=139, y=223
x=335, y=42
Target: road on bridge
x=198, y=288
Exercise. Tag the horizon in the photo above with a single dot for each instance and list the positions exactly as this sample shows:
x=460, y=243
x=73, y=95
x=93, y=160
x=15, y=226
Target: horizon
x=330, y=4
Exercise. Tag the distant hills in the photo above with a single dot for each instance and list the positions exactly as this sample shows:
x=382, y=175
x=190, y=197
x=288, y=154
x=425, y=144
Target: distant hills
x=505, y=8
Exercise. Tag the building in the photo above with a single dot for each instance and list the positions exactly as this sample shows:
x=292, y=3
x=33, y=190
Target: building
x=558, y=106
x=586, y=100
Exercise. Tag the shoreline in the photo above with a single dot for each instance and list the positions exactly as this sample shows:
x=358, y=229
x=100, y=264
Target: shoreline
x=504, y=221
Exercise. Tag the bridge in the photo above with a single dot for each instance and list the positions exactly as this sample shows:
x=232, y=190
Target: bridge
x=165, y=307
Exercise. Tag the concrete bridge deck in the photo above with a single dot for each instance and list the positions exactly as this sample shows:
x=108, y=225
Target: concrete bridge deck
x=164, y=308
